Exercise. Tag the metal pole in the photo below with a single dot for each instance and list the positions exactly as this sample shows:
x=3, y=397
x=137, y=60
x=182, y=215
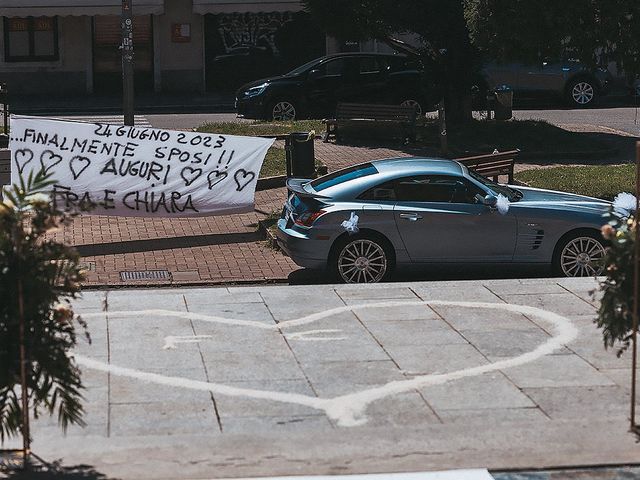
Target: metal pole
x=442, y=123
x=127, y=61
x=636, y=294
x=26, y=435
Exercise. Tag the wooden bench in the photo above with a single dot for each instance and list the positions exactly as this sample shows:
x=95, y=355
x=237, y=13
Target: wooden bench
x=372, y=121
x=492, y=165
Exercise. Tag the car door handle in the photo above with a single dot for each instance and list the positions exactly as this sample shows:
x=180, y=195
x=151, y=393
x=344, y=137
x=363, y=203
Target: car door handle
x=412, y=217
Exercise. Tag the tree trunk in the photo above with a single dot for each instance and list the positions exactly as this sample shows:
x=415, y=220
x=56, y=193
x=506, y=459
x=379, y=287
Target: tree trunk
x=458, y=61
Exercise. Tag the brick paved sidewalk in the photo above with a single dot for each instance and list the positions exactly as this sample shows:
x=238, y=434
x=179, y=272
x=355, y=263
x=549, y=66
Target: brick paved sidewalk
x=206, y=250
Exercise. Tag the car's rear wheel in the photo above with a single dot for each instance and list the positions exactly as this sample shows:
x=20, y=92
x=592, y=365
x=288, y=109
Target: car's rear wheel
x=284, y=110
x=582, y=92
x=579, y=255
x=362, y=259
x=412, y=102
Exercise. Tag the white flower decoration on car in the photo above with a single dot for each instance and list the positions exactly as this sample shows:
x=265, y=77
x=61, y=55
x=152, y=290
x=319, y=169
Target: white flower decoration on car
x=502, y=204
x=625, y=201
x=351, y=225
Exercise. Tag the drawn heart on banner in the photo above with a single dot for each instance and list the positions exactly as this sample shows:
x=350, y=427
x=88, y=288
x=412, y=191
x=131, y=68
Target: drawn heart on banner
x=190, y=175
x=215, y=177
x=48, y=160
x=78, y=165
x=243, y=178
x=22, y=157
x=348, y=409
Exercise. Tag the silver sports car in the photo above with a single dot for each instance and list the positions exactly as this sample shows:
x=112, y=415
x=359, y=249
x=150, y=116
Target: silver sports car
x=363, y=221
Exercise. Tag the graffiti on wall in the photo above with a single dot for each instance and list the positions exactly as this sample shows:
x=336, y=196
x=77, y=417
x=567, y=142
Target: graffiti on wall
x=251, y=29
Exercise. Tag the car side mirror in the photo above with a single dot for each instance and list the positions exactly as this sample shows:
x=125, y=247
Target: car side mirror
x=490, y=201
x=313, y=74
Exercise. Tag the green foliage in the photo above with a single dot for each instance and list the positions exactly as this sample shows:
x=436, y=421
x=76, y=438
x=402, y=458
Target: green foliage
x=45, y=274
x=615, y=315
x=580, y=29
x=600, y=181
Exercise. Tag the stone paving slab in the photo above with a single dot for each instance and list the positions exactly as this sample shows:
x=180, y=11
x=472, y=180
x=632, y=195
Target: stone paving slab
x=253, y=386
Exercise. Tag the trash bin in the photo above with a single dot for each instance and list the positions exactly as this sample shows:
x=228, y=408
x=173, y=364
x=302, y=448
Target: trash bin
x=504, y=102
x=300, y=155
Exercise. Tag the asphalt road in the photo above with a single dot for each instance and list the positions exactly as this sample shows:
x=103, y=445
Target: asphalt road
x=623, y=119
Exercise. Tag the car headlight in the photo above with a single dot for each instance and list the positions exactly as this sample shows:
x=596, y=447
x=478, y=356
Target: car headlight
x=255, y=91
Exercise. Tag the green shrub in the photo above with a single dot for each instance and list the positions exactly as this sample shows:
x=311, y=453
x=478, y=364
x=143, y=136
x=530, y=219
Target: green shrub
x=615, y=314
x=38, y=276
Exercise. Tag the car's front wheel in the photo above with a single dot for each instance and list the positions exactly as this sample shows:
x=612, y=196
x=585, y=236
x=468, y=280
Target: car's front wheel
x=284, y=110
x=582, y=92
x=579, y=255
x=362, y=259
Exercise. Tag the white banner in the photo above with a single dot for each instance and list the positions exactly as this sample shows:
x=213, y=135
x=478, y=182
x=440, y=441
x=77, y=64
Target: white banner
x=133, y=171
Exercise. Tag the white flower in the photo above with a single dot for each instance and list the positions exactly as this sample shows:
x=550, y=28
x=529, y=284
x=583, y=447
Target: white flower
x=625, y=201
x=502, y=204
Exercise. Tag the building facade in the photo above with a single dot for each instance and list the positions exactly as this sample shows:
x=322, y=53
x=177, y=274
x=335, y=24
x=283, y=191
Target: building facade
x=71, y=47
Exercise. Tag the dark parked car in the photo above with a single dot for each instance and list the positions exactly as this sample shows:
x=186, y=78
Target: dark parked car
x=421, y=211
x=570, y=79
x=315, y=88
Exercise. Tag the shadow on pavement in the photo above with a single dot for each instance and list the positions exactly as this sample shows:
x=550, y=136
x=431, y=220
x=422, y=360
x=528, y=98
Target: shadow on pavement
x=40, y=469
x=305, y=276
x=154, y=244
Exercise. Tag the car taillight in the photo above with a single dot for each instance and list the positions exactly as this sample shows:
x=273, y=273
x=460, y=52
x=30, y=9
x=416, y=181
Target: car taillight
x=306, y=219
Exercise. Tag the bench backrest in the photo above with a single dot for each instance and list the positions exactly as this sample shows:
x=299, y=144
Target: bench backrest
x=399, y=113
x=489, y=159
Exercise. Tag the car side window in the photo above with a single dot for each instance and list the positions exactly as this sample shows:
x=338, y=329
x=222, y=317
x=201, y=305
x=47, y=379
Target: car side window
x=370, y=65
x=381, y=193
x=332, y=67
x=435, y=188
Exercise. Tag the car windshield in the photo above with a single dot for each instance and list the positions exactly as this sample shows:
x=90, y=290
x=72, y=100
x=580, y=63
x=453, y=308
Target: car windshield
x=511, y=193
x=345, y=175
x=303, y=68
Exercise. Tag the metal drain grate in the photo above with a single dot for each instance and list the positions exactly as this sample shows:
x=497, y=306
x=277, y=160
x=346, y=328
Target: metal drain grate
x=145, y=275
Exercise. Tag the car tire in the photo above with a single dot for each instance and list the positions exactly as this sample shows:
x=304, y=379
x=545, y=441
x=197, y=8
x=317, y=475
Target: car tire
x=362, y=258
x=283, y=110
x=413, y=102
x=579, y=254
x=582, y=92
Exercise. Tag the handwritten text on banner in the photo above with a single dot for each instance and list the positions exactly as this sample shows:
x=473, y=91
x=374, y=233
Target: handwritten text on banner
x=122, y=170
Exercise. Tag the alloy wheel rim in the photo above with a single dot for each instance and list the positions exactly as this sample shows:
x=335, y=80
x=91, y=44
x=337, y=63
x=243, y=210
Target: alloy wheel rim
x=582, y=257
x=284, y=111
x=362, y=261
x=582, y=93
x=412, y=103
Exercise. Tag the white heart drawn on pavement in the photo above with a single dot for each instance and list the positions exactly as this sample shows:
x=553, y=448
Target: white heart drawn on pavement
x=347, y=410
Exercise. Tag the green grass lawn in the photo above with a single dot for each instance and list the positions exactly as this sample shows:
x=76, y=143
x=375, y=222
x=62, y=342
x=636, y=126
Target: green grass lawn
x=262, y=127
x=274, y=163
x=601, y=181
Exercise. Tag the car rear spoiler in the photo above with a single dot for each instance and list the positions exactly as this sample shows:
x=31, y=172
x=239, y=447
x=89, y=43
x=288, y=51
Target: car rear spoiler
x=296, y=185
